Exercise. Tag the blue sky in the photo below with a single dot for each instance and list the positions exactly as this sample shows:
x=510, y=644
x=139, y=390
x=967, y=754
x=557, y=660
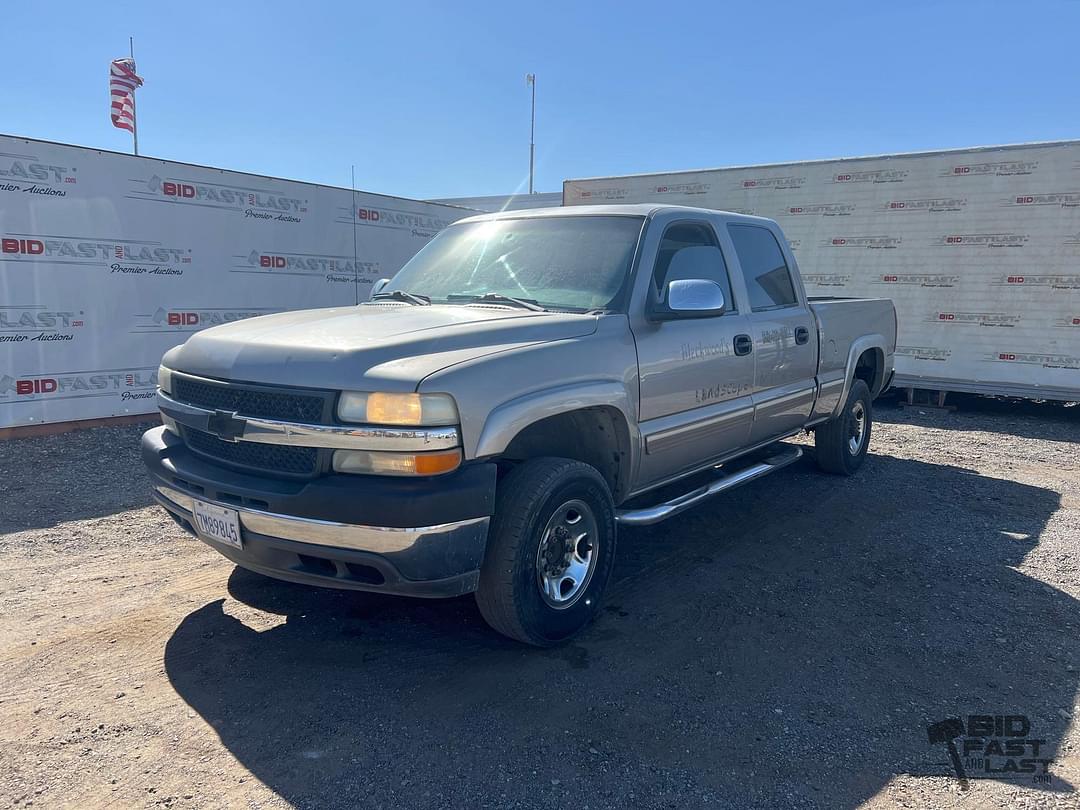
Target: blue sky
x=429, y=99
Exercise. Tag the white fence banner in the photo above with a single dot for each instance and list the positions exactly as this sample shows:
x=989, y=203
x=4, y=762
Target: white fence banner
x=108, y=260
x=979, y=249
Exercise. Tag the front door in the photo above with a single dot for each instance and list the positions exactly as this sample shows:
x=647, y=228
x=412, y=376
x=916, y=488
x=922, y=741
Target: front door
x=695, y=389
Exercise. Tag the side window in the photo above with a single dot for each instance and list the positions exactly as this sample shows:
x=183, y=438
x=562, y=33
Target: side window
x=768, y=279
x=685, y=235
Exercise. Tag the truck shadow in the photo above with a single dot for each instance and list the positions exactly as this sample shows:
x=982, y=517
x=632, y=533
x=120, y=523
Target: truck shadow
x=786, y=644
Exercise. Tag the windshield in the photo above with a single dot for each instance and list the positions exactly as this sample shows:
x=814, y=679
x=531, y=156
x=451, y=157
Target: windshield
x=573, y=262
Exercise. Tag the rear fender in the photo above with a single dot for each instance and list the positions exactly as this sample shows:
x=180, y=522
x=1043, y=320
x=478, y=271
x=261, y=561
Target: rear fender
x=858, y=346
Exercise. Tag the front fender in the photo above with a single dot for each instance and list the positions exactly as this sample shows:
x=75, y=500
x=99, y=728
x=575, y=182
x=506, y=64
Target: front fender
x=508, y=419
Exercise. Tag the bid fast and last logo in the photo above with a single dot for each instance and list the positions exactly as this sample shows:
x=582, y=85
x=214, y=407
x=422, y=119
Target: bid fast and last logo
x=419, y=224
x=123, y=257
x=132, y=384
x=333, y=269
x=253, y=203
x=28, y=174
x=192, y=319
x=38, y=325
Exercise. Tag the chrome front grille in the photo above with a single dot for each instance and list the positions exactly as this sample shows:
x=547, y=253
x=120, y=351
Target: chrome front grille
x=256, y=401
x=312, y=407
x=277, y=459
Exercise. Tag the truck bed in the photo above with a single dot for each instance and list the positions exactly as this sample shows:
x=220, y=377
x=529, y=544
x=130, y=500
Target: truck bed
x=843, y=320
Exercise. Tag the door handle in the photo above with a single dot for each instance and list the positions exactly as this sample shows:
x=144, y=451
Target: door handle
x=802, y=335
x=743, y=345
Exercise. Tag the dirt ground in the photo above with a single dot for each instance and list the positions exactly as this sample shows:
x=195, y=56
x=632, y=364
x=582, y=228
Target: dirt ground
x=785, y=645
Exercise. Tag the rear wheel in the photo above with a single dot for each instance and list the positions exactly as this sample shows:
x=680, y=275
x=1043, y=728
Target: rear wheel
x=550, y=551
x=842, y=442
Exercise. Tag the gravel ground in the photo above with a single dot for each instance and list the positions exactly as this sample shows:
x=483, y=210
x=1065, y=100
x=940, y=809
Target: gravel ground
x=785, y=645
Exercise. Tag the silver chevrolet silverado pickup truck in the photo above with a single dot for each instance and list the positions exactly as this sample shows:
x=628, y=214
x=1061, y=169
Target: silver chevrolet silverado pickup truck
x=526, y=384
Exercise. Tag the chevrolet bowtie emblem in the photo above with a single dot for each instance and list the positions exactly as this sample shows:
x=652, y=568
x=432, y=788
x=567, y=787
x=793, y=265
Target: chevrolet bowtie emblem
x=226, y=425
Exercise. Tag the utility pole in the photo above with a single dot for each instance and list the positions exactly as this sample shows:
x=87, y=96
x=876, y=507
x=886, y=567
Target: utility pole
x=530, y=79
x=134, y=117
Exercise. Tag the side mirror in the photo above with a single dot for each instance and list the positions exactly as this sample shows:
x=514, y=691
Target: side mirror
x=695, y=295
x=691, y=294
x=690, y=298
x=379, y=285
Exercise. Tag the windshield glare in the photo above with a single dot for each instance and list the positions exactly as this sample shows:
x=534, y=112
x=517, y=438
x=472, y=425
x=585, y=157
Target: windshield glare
x=573, y=262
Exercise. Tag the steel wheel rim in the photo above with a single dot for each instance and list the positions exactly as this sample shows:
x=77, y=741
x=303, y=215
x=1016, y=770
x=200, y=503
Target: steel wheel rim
x=566, y=556
x=857, y=429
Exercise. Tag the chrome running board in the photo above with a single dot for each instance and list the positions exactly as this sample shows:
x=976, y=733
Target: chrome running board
x=662, y=511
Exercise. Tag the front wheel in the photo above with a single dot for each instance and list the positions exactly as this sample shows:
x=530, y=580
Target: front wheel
x=842, y=442
x=550, y=551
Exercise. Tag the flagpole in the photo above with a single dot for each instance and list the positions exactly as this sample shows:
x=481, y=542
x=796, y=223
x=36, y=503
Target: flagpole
x=531, y=80
x=134, y=117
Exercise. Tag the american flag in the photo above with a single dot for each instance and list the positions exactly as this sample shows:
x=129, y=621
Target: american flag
x=122, y=83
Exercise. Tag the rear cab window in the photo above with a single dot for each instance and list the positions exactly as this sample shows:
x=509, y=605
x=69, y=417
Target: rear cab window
x=767, y=275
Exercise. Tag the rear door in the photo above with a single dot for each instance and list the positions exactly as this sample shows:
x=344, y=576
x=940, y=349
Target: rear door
x=783, y=330
x=695, y=389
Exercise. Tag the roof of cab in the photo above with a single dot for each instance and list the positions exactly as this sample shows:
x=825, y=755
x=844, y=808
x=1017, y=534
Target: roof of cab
x=622, y=209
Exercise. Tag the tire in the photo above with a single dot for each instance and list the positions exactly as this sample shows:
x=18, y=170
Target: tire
x=539, y=505
x=841, y=443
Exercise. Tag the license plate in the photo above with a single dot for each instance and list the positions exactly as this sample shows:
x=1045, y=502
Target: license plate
x=217, y=523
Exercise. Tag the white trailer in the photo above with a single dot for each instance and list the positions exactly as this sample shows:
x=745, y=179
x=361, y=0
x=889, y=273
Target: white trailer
x=979, y=249
x=107, y=260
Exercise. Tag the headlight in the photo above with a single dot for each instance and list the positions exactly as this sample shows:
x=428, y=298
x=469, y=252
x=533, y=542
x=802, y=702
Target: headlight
x=377, y=463
x=429, y=410
x=164, y=379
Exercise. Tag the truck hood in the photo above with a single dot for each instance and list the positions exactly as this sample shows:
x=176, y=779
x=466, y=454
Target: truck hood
x=368, y=347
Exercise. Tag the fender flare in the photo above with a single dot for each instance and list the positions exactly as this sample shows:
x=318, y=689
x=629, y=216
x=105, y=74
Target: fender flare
x=858, y=346
x=507, y=420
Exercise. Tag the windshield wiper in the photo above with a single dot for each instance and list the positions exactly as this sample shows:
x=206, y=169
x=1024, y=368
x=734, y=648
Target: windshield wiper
x=407, y=297
x=499, y=298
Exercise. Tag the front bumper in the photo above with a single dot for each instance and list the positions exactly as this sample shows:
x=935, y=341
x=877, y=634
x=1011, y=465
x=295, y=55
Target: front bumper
x=413, y=537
